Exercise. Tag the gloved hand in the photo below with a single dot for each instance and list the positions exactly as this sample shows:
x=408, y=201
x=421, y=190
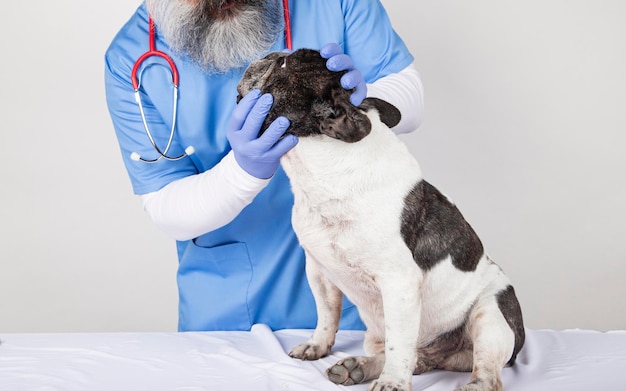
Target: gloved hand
x=338, y=61
x=258, y=156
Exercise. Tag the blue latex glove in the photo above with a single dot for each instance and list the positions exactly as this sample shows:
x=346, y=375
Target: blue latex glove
x=258, y=156
x=353, y=79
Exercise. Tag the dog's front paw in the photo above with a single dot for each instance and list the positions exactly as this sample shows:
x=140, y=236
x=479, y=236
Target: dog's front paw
x=388, y=385
x=309, y=351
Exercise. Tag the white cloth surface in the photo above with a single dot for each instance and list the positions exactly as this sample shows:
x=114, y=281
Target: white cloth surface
x=257, y=360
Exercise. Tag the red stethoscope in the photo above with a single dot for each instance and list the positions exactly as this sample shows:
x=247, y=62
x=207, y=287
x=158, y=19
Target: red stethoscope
x=135, y=77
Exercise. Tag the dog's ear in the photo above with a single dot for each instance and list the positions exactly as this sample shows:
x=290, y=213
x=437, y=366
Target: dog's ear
x=388, y=113
x=342, y=120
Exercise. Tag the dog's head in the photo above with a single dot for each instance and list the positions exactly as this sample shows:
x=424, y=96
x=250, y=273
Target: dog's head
x=312, y=97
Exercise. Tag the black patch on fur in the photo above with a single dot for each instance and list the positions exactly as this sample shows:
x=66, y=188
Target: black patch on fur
x=437, y=354
x=389, y=114
x=510, y=308
x=433, y=228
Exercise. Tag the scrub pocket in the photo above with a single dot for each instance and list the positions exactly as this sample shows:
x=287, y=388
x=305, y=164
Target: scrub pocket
x=213, y=287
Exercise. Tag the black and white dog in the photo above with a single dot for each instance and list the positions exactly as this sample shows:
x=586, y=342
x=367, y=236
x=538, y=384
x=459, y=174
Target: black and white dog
x=372, y=228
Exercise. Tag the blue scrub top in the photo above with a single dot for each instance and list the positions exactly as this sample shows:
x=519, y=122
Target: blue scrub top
x=252, y=270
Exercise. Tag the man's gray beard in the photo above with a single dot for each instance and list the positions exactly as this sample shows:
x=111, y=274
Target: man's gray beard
x=218, y=45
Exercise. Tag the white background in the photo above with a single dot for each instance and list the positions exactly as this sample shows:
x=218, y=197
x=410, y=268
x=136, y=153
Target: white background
x=524, y=130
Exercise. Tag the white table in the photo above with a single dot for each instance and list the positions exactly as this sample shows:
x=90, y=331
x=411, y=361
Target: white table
x=258, y=360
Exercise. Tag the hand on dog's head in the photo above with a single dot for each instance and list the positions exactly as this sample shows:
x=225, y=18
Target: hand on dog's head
x=312, y=97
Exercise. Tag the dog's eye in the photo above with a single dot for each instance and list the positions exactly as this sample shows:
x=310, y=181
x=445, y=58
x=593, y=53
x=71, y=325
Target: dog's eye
x=284, y=64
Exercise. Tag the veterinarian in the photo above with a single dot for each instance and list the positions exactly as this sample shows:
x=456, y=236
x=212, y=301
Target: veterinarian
x=193, y=156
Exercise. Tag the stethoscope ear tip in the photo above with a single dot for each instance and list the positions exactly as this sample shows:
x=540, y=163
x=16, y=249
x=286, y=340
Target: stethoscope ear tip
x=135, y=156
x=190, y=150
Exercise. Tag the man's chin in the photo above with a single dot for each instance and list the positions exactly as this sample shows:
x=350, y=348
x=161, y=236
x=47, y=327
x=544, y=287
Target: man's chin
x=239, y=33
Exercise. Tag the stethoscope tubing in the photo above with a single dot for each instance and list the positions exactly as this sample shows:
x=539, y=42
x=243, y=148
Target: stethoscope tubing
x=288, y=40
x=153, y=52
x=136, y=82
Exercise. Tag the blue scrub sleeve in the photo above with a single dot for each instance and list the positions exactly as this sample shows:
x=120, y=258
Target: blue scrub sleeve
x=372, y=43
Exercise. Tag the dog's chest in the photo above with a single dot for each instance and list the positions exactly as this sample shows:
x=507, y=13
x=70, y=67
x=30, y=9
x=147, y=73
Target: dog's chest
x=349, y=197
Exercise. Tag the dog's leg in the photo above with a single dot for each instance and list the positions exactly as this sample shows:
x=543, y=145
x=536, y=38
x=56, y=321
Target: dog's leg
x=400, y=286
x=493, y=342
x=328, y=301
x=451, y=351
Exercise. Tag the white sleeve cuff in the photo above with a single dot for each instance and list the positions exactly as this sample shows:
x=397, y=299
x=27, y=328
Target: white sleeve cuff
x=197, y=204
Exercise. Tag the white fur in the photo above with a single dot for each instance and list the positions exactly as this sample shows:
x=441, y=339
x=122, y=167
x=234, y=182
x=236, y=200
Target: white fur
x=339, y=188
x=349, y=200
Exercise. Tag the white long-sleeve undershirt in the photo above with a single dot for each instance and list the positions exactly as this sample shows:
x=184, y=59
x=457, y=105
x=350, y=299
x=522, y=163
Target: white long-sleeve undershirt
x=189, y=207
x=405, y=91
x=192, y=206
